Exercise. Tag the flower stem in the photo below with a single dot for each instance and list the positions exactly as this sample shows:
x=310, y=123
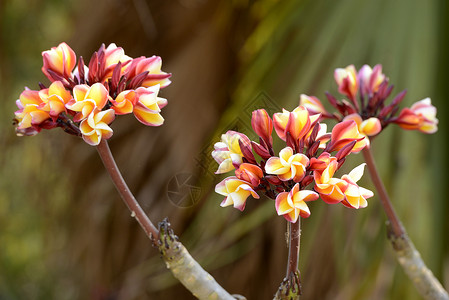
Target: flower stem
x=136, y=211
x=290, y=288
x=408, y=256
x=396, y=227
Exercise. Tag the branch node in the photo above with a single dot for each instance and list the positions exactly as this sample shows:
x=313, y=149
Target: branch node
x=290, y=288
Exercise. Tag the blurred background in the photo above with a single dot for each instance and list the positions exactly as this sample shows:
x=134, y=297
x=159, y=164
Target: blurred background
x=64, y=231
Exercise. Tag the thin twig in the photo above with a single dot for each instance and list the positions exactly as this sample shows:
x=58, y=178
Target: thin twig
x=290, y=288
x=293, y=246
x=136, y=211
x=396, y=226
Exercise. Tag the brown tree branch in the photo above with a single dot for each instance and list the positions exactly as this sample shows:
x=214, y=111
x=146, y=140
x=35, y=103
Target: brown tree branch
x=409, y=258
x=395, y=225
x=129, y=199
x=178, y=260
x=186, y=269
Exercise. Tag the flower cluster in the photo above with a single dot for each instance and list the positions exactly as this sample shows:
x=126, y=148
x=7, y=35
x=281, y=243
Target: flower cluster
x=84, y=100
x=310, y=156
x=367, y=91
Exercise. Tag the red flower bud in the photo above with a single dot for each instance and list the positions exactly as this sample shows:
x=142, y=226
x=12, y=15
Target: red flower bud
x=263, y=125
x=261, y=151
x=249, y=173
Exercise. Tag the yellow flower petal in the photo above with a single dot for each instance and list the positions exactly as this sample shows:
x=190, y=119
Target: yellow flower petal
x=370, y=127
x=147, y=117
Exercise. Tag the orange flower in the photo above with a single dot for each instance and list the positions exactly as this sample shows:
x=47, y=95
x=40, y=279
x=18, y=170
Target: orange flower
x=288, y=166
x=249, y=173
x=321, y=162
x=370, y=79
x=355, y=196
x=291, y=205
x=148, y=106
x=312, y=104
x=262, y=125
x=87, y=99
x=344, y=133
x=55, y=98
x=421, y=116
x=60, y=60
x=95, y=126
x=113, y=55
x=29, y=112
x=124, y=103
x=236, y=192
x=297, y=123
x=143, y=102
x=369, y=127
x=330, y=189
x=152, y=65
x=89, y=96
x=347, y=81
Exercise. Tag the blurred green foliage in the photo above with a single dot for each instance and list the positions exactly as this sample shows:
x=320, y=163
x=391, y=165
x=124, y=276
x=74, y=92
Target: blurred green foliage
x=286, y=48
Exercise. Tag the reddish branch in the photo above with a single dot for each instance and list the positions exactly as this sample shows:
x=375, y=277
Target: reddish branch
x=293, y=246
x=395, y=224
x=136, y=211
x=290, y=288
x=409, y=258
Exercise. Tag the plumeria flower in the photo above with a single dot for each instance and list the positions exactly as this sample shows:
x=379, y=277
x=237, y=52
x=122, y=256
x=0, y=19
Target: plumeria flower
x=368, y=127
x=143, y=102
x=54, y=99
x=288, y=166
x=293, y=204
x=306, y=159
x=262, y=125
x=125, y=102
x=355, y=196
x=89, y=96
x=86, y=99
x=330, y=188
x=148, y=106
x=347, y=81
x=236, y=192
x=371, y=79
x=96, y=126
x=227, y=153
x=151, y=66
x=344, y=133
x=367, y=91
x=114, y=55
x=29, y=113
x=59, y=60
x=312, y=104
x=249, y=173
x=321, y=162
x=421, y=116
x=296, y=123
